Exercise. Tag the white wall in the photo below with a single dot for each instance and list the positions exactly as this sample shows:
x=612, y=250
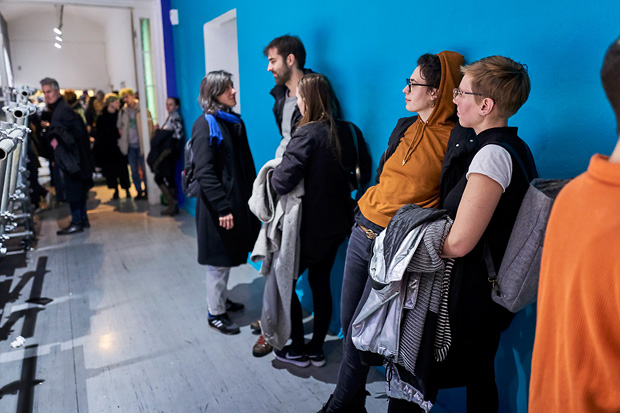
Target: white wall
x=81, y=63
x=119, y=50
x=97, y=48
x=220, y=36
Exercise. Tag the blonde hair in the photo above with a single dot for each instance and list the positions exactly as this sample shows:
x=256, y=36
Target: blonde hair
x=501, y=79
x=109, y=98
x=125, y=91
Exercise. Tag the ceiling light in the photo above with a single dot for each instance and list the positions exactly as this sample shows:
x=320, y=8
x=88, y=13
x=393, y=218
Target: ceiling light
x=58, y=45
x=57, y=31
x=58, y=38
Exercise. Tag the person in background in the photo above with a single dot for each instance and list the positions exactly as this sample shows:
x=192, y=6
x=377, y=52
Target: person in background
x=287, y=57
x=164, y=177
x=576, y=363
x=73, y=101
x=130, y=129
x=68, y=138
x=108, y=155
x=224, y=169
x=408, y=173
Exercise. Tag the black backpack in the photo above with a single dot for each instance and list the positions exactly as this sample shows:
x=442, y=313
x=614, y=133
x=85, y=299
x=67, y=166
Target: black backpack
x=188, y=179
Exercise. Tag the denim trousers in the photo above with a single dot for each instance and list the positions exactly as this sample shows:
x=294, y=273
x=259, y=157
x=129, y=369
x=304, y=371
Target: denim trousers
x=136, y=161
x=352, y=373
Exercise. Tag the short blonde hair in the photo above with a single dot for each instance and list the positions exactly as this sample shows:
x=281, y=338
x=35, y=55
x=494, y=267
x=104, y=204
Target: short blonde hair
x=501, y=79
x=124, y=92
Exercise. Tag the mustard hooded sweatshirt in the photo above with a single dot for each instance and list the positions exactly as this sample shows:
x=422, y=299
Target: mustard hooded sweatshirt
x=423, y=147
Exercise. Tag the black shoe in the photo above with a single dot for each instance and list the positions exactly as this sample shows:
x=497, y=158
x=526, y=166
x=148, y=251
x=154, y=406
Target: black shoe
x=288, y=355
x=317, y=359
x=141, y=195
x=86, y=223
x=128, y=194
x=223, y=324
x=115, y=196
x=233, y=307
x=73, y=228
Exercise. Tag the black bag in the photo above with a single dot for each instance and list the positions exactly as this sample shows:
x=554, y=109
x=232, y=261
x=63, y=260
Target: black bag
x=188, y=180
x=161, y=148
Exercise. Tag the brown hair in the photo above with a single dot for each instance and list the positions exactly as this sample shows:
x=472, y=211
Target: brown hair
x=501, y=79
x=321, y=105
x=611, y=79
x=70, y=96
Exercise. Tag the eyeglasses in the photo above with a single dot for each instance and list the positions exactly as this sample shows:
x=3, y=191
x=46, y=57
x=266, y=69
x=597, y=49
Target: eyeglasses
x=410, y=83
x=458, y=92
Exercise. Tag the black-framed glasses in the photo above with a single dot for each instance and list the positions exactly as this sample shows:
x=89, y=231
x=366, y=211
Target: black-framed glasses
x=410, y=83
x=458, y=92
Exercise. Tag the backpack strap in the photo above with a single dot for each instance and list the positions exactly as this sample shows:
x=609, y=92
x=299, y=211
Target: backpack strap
x=356, y=168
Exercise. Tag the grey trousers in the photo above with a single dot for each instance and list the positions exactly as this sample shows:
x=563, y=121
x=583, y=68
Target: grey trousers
x=217, y=280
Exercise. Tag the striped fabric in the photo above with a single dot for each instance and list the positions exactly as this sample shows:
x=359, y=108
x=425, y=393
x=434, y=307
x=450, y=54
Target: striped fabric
x=425, y=284
x=443, y=337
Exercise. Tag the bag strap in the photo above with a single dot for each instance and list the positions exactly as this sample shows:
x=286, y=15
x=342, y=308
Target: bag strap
x=530, y=160
x=358, y=173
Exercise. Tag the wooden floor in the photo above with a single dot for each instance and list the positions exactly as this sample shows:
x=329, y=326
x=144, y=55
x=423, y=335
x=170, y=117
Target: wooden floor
x=115, y=320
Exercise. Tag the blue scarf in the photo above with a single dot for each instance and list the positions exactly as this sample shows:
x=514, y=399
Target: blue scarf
x=214, y=128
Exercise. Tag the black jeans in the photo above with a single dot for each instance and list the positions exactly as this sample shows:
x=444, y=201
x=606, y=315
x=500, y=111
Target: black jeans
x=319, y=272
x=352, y=373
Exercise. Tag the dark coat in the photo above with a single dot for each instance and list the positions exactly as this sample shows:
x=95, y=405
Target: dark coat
x=327, y=207
x=72, y=155
x=225, y=175
x=107, y=153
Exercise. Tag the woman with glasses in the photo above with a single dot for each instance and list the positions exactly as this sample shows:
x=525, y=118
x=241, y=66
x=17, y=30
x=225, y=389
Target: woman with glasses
x=482, y=186
x=408, y=173
x=224, y=169
x=319, y=153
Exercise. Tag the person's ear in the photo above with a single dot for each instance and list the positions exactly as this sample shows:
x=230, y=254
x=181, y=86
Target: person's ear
x=487, y=106
x=290, y=60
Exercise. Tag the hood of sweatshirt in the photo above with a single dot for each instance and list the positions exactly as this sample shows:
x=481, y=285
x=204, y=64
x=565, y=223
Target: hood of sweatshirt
x=444, y=110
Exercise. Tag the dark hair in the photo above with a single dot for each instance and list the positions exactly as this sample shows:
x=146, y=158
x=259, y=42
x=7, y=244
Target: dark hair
x=611, y=79
x=48, y=81
x=177, y=101
x=287, y=45
x=70, y=96
x=213, y=85
x=430, y=69
x=321, y=105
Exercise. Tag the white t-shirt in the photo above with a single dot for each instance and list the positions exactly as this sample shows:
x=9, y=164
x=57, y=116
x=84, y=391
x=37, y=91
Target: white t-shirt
x=495, y=162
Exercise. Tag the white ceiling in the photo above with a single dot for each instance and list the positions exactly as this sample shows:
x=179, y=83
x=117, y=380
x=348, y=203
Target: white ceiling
x=98, y=16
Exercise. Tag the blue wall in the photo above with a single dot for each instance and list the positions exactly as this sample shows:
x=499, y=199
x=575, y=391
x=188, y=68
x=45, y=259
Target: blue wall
x=367, y=48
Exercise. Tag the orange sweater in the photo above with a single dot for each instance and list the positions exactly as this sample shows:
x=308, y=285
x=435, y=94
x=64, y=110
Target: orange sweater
x=576, y=359
x=423, y=145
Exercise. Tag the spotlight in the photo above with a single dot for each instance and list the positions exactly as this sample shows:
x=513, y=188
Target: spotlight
x=58, y=39
x=58, y=45
x=57, y=31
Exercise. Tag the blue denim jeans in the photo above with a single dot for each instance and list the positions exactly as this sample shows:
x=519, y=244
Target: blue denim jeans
x=352, y=374
x=136, y=161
